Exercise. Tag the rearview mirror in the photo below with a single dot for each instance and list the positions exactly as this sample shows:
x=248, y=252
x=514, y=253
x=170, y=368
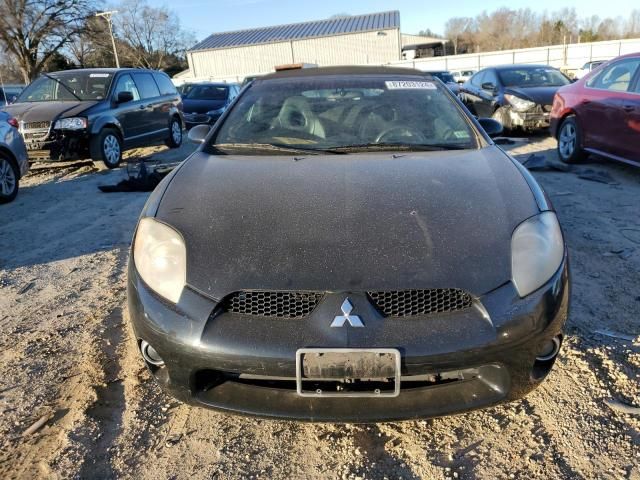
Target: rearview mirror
x=198, y=133
x=488, y=86
x=491, y=126
x=124, y=97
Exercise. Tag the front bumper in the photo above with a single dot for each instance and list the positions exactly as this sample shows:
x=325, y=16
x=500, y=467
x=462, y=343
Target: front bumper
x=58, y=145
x=193, y=119
x=537, y=118
x=241, y=364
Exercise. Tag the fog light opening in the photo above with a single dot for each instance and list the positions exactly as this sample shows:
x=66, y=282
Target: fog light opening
x=549, y=350
x=150, y=355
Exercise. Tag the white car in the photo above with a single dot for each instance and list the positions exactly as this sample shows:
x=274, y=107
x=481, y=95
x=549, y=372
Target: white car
x=462, y=76
x=588, y=67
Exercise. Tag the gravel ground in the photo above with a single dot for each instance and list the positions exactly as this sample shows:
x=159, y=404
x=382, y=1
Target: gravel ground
x=67, y=357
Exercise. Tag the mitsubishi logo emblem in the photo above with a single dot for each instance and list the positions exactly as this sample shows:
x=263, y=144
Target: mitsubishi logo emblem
x=354, y=320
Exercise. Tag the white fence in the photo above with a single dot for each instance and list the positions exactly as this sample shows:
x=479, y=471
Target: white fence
x=567, y=57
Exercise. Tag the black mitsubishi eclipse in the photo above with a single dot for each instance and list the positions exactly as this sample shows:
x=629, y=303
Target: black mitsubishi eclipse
x=349, y=245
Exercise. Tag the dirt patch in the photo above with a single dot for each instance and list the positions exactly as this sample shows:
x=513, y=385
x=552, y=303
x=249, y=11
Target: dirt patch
x=66, y=352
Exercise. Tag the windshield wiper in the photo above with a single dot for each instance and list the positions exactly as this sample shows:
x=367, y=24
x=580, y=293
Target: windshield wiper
x=275, y=147
x=61, y=83
x=421, y=147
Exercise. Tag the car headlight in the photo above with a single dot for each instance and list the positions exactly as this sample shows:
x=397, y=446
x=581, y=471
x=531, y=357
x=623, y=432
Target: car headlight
x=160, y=257
x=72, y=123
x=519, y=104
x=537, y=250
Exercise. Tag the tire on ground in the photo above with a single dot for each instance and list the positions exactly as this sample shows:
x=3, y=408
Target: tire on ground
x=570, y=141
x=9, y=178
x=103, y=146
x=174, y=140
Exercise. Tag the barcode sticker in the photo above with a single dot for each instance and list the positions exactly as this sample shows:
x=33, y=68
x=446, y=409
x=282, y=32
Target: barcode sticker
x=409, y=85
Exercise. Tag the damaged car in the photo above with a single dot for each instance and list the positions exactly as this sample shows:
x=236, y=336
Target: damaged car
x=97, y=114
x=518, y=96
x=348, y=244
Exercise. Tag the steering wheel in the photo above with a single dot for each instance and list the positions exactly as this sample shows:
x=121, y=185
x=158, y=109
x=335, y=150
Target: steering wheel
x=400, y=132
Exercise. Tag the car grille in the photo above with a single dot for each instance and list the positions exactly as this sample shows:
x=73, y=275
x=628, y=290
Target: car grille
x=197, y=118
x=279, y=304
x=407, y=303
x=36, y=125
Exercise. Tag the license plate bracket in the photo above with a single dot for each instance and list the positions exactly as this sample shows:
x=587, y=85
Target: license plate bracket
x=346, y=372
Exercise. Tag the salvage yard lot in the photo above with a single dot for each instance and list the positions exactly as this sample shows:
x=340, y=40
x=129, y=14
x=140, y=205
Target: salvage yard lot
x=67, y=356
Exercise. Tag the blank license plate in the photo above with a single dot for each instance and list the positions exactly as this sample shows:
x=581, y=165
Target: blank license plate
x=322, y=372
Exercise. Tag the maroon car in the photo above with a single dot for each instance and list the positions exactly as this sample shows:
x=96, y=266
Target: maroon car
x=600, y=113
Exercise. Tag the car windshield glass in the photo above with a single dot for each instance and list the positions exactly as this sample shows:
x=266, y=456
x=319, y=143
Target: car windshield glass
x=68, y=86
x=345, y=114
x=446, y=77
x=532, y=77
x=207, y=92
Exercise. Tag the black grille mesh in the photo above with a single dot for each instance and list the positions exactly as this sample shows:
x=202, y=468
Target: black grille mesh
x=406, y=303
x=280, y=304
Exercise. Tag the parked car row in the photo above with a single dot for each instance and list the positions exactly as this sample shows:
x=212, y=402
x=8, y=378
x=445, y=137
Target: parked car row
x=87, y=113
x=599, y=113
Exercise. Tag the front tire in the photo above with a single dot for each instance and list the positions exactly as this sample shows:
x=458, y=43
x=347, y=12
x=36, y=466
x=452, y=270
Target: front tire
x=9, y=179
x=175, y=133
x=570, y=141
x=106, y=148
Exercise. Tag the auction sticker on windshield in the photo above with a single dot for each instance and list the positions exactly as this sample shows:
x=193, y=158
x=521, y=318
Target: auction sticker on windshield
x=405, y=85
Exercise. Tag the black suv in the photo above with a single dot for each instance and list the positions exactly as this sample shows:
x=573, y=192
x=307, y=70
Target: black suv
x=98, y=113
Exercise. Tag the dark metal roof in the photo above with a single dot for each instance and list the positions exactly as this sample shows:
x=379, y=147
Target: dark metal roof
x=297, y=31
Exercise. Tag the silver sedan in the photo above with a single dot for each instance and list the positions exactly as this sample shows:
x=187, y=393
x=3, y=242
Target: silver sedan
x=13, y=158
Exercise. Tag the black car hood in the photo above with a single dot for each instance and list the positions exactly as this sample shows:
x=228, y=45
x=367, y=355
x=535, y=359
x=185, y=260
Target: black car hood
x=201, y=106
x=348, y=223
x=46, y=111
x=539, y=95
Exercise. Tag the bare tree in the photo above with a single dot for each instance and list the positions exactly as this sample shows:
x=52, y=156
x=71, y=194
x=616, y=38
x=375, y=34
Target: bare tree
x=32, y=31
x=632, y=28
x=455, y=28
x=92, y=47
x=152, y=35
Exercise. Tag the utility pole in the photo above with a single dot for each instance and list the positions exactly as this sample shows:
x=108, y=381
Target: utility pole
x=107, y=16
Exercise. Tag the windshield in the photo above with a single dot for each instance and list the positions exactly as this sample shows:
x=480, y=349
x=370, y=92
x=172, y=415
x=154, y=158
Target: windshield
x=348, y=113
x=207, y=92
x=532, y=77
x=446, y=77
x=67, y=86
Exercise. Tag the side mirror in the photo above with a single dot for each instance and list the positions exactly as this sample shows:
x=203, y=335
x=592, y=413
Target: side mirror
x=198, y=133
x=489, y=86
x=124, y=97
x=491, y=126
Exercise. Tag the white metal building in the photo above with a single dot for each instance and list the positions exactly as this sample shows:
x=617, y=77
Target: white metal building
x=354, y=40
